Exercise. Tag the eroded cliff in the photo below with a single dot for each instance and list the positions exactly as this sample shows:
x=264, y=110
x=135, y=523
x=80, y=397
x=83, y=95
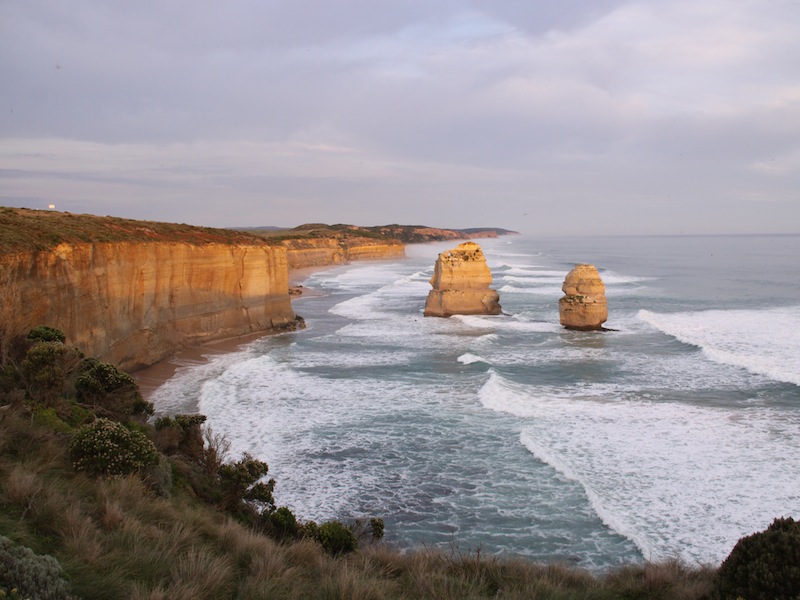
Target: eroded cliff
x=584, y=305
x=460, y=282
x=134, y=303
x=302, y=253
x=134, y=292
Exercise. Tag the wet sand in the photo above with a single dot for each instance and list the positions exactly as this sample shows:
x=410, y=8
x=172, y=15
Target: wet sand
x=150, y=378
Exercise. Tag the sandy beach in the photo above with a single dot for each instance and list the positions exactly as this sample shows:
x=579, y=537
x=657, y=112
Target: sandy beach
x=150, y=378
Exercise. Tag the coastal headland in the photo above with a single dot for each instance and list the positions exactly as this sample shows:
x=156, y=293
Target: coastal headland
x=135, y=292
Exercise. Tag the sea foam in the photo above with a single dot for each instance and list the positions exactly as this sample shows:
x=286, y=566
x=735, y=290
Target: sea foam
x=672, y=477
x=755, y=340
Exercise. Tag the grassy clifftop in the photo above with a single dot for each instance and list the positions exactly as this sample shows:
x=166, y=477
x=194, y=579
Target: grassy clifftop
x=23, y=229
x=406, y=234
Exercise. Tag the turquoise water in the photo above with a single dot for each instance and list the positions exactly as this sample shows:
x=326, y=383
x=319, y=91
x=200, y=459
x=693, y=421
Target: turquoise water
x=673, y=435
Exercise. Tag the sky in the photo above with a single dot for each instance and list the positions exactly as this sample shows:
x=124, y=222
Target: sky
x=572, y=117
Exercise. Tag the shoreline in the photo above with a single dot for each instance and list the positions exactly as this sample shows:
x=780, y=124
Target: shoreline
x=150, y=378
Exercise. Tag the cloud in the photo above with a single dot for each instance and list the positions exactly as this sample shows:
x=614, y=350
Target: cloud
x=661, y=114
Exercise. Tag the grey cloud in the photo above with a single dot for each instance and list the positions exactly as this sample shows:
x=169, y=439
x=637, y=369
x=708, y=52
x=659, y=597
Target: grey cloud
x=455, y=112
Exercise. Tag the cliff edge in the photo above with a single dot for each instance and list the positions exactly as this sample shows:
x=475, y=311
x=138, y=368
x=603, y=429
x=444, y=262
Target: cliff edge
x=135, y=292
x=133, y=303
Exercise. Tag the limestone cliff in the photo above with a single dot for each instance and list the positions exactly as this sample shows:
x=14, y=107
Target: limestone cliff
x=460, y=282
x=584, y=305
x=334, y=250
x=134, y=303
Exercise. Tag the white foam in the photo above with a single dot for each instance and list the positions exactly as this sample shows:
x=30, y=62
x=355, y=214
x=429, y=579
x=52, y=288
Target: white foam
x=533, y=272
x=468, y=359
x=526, y=271
x=755, y=340
x=531, y=279
x=672, y=477
x=544, y=290
x=612, y=278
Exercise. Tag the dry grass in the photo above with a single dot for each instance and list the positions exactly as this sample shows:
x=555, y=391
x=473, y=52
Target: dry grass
x=20, y=486
x=201, y=569
x=23, y=229
x=669, y=579
x=115, y=539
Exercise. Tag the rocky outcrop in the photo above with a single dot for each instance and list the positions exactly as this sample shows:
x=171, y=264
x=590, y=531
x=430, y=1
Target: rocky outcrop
x=303, y=253
x=313, y=253
x=369, y=250
x=461, y=281
x=584, y=305
x=134, y=303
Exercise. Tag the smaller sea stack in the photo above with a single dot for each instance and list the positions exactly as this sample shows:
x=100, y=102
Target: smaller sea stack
x=584, y=305
x=461, y=281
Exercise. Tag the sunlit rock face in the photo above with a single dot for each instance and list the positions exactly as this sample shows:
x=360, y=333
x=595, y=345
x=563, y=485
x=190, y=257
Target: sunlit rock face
x=135, y=303
x=584, y=305
x=460, y=282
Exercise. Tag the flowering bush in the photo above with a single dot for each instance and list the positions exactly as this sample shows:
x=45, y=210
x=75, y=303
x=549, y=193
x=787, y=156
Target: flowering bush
x=109, y=448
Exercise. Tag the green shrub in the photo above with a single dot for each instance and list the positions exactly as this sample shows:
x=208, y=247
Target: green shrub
x=241, y=482
x=48, y=417
x=368, y=530
x=109, y=448
x=337, y=538
x=283, y=524
x=764, y=565
x=24, y=574
x=46, y=367
x=44, y=333
x=376, y=528
x=310, y=530
x=116, y=392
x=182, y=433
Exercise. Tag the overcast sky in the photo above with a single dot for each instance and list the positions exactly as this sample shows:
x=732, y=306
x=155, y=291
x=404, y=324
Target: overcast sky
x=585, y=117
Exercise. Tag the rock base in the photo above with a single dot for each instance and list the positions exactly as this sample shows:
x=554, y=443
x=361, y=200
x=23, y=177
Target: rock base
x=447, y=303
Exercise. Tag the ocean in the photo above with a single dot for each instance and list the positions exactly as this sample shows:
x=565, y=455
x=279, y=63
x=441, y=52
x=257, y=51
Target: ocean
x=673, y=435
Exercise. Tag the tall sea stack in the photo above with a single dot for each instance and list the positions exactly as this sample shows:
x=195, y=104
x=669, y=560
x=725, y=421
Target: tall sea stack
x=584, y=305
x=461, y=281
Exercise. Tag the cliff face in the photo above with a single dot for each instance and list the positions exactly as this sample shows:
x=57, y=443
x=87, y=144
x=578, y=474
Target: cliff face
x=135, y=303
x=460, y=282
x=584, y=305
x=321, y=252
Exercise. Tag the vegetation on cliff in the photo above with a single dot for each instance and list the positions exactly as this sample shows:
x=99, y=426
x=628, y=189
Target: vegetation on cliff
x=97, y=503
x=23, y=229
x=350, y=234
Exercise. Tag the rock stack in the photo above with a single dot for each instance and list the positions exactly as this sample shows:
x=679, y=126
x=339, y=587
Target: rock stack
x=584, y=305
x=461, y=281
